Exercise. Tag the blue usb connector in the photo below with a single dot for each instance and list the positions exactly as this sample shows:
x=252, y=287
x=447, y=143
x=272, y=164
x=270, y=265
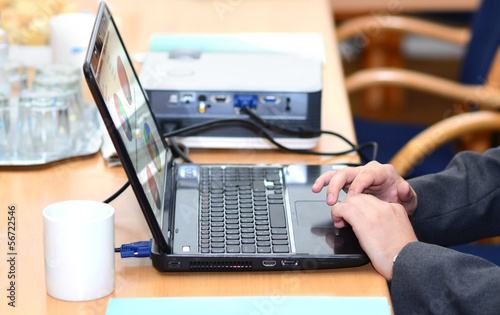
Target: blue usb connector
x=136, y=249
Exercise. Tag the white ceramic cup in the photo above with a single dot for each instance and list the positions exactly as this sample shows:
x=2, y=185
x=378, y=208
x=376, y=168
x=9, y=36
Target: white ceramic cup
x=79, y=250
x=70, y=36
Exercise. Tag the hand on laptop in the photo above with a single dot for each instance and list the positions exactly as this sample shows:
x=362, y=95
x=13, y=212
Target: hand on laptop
x=377, y=206
x=382, y=228
x=381, y=181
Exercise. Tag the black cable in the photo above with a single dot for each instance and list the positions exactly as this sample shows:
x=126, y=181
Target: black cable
x=116, y=194
x=178, y=151
x=309, y=133
x=302, y=133
x=175, y=147
x=262, y=132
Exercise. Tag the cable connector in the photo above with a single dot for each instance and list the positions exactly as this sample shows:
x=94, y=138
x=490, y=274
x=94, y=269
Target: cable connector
x=308, y=133
x=135, y=249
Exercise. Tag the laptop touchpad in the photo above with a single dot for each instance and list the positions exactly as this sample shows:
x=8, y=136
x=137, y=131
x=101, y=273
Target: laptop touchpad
x=313, y=213
x=318, y=234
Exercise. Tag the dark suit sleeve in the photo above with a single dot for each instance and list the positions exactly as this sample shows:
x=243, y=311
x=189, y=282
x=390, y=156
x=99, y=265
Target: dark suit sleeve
x=462, y=203
x=430, y=279
x=459, y=205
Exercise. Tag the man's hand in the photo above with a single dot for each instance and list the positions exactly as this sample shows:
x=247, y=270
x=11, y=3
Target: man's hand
x=382, y=228
x=381, y=181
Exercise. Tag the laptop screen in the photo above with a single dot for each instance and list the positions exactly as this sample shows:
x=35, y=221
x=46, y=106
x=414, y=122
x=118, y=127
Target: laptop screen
x=128, y=111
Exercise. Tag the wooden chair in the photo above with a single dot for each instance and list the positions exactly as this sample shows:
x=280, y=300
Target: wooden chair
x=440, y=133
x=478, y=87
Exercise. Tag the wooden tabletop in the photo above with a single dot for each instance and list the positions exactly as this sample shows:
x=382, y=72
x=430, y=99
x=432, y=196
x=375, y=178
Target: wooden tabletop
x=30, y=189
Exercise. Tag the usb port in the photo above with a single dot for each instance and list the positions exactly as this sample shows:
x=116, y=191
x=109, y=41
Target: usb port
x=187, y=98
x=270, y=99
x=289, y=262
x=173, y=98
x=174, y=264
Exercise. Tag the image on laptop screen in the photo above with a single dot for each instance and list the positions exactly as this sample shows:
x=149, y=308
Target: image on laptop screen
x=129, y=110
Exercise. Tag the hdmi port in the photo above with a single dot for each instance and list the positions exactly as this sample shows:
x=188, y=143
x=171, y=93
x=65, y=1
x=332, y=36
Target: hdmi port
x=220, y=98
x=269, y=263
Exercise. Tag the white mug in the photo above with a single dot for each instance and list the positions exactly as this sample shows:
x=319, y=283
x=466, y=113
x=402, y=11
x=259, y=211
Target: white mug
x=79, y=250
x=70, y=36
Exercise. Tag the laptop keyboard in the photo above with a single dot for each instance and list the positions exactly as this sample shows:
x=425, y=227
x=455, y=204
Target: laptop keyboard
x=242, y=211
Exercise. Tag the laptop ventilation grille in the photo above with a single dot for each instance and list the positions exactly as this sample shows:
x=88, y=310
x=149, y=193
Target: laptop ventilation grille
x=220, y=265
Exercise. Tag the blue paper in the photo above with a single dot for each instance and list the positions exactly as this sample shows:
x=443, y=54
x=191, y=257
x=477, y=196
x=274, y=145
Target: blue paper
x=254, y=305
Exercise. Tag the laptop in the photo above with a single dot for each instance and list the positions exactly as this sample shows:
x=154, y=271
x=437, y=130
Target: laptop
x=207, y=217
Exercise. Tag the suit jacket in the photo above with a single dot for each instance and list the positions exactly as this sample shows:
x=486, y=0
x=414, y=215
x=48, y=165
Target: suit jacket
x=459, y=205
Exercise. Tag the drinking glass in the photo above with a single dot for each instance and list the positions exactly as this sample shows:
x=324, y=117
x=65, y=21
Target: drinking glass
x=43, y=123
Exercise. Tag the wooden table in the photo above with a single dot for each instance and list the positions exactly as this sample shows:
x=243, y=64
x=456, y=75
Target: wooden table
x=30, y=189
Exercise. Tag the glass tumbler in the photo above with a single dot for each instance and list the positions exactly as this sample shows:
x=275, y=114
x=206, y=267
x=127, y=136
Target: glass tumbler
x=83, y=115
x=18, y=78
x=58, y=68
x=43, y=124
x=68, y=83
x=6, y=147
x=63, y=76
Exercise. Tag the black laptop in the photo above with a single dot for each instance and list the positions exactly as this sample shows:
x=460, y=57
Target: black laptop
x=203, y=217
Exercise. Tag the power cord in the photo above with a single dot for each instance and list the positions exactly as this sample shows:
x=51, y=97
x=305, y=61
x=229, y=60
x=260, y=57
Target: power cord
x=176, y=149
x=312, y=133
x=263, y=133
x=116, y=194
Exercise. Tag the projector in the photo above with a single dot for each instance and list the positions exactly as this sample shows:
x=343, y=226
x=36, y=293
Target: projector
x=186, y=87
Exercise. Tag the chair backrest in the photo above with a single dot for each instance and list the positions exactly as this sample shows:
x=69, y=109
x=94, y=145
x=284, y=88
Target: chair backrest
x=483, y=45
